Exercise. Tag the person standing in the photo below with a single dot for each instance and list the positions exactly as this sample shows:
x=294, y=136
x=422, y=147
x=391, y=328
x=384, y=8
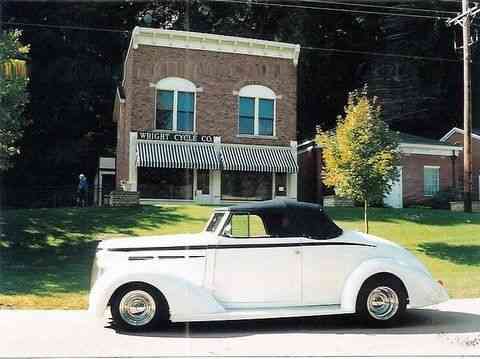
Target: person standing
x=82, y=190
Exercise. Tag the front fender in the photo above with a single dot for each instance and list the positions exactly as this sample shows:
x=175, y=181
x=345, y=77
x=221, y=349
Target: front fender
x=183, y=297
x=422, y=290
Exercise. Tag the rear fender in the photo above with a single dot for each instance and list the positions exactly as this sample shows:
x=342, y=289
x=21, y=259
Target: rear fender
x=367, y=269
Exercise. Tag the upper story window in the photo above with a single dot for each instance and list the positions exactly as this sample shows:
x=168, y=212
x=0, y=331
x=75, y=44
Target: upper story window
x=256, y=111
x=175, y=105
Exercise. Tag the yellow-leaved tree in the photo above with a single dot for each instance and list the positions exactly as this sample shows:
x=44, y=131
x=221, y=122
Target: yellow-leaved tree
x=360, y=156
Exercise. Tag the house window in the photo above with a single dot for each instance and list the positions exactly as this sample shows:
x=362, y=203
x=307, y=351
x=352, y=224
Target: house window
x=175, y=105
x=165, y=183
x=246, y=186
x=431, y=180
x=164, y=110
x=256, y=111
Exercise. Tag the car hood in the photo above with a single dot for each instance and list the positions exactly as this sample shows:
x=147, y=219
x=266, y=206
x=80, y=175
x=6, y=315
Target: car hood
x=157, y=242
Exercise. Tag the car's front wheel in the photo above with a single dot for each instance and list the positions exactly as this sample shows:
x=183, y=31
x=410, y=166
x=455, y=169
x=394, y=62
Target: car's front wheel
x=382, y=301
x=138, y=306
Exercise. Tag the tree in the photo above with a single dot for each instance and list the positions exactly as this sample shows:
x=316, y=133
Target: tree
x=360, y=157
x=13, y=94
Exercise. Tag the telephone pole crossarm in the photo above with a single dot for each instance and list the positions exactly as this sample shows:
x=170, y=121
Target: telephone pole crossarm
x=460, y=18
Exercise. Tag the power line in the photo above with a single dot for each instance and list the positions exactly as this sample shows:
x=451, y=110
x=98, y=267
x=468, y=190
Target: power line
x=377, y=6
x=372, y=53
x=334, y=9
x=66, y=27
x=310, y=48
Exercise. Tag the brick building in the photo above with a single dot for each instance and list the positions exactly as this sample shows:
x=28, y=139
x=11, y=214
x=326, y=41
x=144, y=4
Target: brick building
x=426, y=167
x=455, y=137
x=206, y=117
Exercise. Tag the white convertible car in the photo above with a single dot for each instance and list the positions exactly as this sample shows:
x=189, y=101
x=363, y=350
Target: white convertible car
x=270, y=259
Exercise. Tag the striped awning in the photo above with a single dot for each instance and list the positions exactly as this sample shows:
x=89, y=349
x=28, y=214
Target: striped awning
x=258, y=159
x=177, y=155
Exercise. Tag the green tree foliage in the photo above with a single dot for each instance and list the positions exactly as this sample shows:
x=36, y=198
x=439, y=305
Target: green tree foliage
x=13, y=94
x=361, y=155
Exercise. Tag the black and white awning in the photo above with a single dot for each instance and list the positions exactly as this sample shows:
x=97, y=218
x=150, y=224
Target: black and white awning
x=258, y=159
x=177, y=155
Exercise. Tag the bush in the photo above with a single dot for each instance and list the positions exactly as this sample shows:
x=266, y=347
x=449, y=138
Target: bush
x=442, y=199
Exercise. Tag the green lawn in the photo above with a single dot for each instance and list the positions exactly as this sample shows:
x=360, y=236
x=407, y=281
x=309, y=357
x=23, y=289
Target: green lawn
x=45, y=254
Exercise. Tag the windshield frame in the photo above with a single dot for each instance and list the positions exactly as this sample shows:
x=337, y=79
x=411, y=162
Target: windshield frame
x=220, y=223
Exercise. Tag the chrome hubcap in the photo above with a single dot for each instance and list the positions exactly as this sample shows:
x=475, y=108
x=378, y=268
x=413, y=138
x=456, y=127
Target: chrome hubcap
x=382, y=303
x=137, y=308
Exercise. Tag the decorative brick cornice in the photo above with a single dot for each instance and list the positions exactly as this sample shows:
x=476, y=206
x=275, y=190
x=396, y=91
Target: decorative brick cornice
x=212, y=42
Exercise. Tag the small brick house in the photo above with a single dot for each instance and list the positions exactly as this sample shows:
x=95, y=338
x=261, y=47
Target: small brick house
x=426, y=166
x=455, y=137
x=207, y=118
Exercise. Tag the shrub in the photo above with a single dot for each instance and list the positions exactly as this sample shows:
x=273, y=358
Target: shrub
x=442, y=199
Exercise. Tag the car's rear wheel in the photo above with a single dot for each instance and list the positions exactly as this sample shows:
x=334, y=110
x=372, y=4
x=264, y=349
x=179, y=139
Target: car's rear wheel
x=382, y=301
x=139, y=306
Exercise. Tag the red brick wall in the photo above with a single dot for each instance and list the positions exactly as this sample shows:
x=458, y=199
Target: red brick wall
x=412, y=175
x=457, y=139
x=219, y=75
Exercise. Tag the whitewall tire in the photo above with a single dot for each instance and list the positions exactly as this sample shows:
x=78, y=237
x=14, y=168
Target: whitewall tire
x=382, y=301
x=139, y=306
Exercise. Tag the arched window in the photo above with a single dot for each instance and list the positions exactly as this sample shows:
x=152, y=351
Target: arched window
x=256, y=111
x=175, y=105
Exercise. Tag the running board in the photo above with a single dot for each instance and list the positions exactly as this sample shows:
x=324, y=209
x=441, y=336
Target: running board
x=262, y=313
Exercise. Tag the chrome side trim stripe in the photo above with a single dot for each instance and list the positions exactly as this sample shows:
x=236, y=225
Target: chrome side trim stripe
x=239, y=246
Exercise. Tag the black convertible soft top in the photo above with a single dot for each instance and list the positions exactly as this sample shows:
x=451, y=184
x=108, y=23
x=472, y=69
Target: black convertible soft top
x=287, y=218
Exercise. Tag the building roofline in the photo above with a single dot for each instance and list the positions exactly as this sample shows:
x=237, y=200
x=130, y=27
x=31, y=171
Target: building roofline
x=431, y=146
x=213, y=42
x=121, y=93
x=406, y=144
x=457, y=130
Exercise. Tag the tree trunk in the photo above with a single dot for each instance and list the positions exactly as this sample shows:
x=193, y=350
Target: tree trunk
x=365, y=217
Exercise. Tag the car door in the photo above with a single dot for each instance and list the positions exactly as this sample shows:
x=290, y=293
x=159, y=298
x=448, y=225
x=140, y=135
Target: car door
x=253, y=269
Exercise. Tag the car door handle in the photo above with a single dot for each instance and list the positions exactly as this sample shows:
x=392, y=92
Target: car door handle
x=297, y=251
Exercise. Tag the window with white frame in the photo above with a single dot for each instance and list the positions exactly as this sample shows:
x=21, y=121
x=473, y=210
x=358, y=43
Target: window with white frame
x=175, y=105
x=431, y=180
x=256, y=111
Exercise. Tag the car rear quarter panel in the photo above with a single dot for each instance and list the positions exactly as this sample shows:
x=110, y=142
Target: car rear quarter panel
x=422, y=290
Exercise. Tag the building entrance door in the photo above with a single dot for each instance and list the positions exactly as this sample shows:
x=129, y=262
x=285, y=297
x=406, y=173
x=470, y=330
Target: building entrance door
x=394, y=199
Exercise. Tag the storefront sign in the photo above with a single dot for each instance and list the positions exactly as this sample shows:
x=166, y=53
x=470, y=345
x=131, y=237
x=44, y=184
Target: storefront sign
x=174, y=136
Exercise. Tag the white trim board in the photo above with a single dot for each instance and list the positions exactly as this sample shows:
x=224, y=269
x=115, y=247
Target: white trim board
x=434, y=150
x=213, y=42
x=457, y=130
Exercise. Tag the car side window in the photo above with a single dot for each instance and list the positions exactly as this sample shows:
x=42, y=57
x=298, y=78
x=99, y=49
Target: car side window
x=245, y=226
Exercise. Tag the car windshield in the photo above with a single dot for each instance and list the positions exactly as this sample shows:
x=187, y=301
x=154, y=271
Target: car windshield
x=214, y=222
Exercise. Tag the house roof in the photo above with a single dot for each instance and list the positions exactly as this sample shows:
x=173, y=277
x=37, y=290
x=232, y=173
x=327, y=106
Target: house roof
x=475, y=133
x=412, y=144
x=413, y=139
x=405, y=138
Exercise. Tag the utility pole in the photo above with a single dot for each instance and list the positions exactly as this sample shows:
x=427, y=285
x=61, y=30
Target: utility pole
x=186, y=23
x=464, y=20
